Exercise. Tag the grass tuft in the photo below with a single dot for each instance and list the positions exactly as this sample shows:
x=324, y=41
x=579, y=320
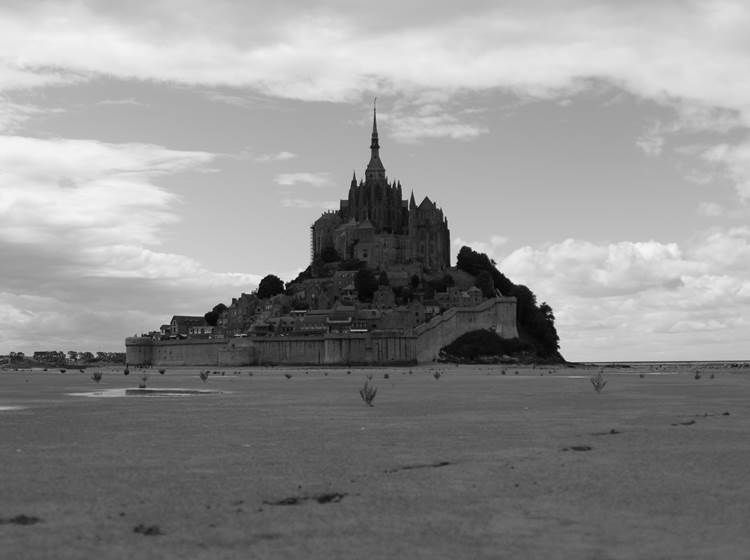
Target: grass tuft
x=598, y=382
x=367, y=392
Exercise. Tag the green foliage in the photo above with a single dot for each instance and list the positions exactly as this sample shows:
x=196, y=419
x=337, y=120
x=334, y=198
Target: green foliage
x=536, y=323
x=270, y=286
x=474, y=344
x=212, y=317
x=485, y=283
x=366, y=284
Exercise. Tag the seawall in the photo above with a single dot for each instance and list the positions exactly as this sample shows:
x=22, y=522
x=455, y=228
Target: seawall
x=372, y=348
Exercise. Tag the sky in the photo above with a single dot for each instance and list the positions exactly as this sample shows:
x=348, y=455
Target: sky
x=160, y=157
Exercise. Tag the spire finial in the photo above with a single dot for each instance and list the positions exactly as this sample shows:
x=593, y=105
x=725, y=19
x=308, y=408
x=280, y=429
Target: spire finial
x=375, y=115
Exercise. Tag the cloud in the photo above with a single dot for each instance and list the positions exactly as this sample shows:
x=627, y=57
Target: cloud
x=288, y=202
x=14, y=115
x=691, y=56
x=126, y=101
x=58, y=191
x=643, y=300
x=279, y=156
x=651, y=142
x=733, y=161
x=710, y=209
x=322, y=179
x=79, y=220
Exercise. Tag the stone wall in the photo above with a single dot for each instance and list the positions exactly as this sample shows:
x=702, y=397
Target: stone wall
x=498, y=314
x=374, y=348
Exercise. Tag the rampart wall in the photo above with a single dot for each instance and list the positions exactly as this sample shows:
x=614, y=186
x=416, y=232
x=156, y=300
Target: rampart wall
x=331, y=349
x=498, y=314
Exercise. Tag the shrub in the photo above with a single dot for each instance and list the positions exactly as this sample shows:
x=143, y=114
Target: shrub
x=598, y=382
x=367, y=392
x=62, y=371
x=142, y=383
x=162, y=371
x=126, y=371
x=97, y=376
x=288, y=375
x=436, y=375
x=203, y=375
x=472, y=345
x=697, y=374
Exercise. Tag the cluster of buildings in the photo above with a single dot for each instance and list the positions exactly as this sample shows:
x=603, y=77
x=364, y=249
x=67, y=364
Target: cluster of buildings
x=60, y=358
x=405, y=246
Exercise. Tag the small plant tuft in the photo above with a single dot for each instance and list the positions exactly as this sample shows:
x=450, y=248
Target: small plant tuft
x=162, y=371
x=697, y=374
x=142, y=383
x=126, y=371
x=288, y=375
x=203, y=375
x=97, y=376
x=436, y=375
x=598, y=382
x=386, y=376
x=62, y=371
x=367, y=392
x=369, y=377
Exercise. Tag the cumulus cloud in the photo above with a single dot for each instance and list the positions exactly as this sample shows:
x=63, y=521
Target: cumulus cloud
x=641, y=300
x=78, y=223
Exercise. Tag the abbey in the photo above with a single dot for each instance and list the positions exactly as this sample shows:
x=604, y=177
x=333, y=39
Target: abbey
x=376, y=226
x=338, y=311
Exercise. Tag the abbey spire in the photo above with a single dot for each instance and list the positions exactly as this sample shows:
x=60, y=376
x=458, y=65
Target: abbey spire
x=375, y=169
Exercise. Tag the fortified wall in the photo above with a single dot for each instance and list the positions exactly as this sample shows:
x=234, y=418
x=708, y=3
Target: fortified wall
x=372, y=348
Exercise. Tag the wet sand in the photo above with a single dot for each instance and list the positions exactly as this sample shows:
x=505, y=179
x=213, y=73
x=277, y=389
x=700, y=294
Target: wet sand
x=290, y=463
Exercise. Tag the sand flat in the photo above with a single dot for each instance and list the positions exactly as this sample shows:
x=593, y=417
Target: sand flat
x=474, y=464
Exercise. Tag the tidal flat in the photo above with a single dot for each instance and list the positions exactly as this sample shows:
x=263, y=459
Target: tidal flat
x=470, y=461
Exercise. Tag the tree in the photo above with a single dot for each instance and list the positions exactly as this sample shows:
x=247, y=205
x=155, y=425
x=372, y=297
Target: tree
x=270, y=286
x=212, y=317
x=414, y=281
x=536, y=323
x=383, y=278
x=484, y=282
x=365, y=284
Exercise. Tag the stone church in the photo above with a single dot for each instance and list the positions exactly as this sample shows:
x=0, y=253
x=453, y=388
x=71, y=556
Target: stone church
x=375, y=225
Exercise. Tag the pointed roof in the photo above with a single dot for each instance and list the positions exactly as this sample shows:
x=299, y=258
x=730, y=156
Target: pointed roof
x=427, y=202
x=375, y=167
